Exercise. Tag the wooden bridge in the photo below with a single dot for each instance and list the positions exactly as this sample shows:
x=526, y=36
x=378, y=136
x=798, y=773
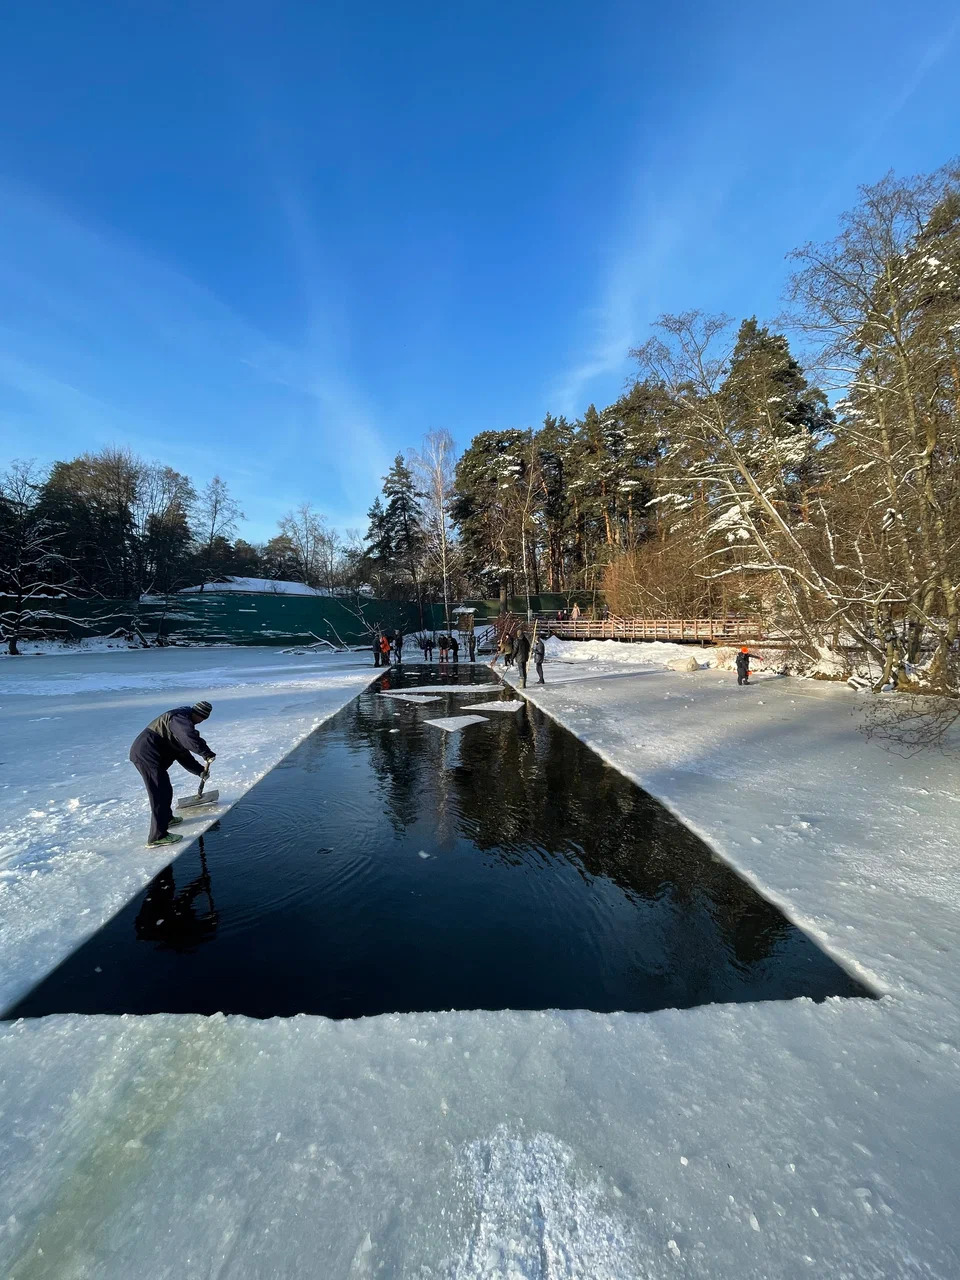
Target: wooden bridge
x=723, y=630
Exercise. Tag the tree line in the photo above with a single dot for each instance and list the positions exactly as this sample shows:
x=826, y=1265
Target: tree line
x=730, y=476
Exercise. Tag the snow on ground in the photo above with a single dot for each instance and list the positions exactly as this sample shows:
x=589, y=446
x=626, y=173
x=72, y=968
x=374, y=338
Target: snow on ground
x=737, y=1141
x=661, y=654
x=267, y=587
x=73, y=812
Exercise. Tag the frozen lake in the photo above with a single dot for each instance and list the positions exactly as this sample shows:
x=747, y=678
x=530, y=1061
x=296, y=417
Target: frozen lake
x=426, y=852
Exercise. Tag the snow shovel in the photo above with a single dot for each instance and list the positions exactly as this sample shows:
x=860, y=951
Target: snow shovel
x=200, y=800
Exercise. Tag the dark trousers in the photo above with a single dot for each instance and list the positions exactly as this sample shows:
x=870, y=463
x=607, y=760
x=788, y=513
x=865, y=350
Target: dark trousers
x=539, y=666
x=742, y=677
x=522, y=668
x=376, y=657
x=159, y=789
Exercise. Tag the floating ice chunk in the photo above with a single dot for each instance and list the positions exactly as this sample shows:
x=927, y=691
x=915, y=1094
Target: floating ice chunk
x=412, y=697
x=505, y=705
x=453, y=723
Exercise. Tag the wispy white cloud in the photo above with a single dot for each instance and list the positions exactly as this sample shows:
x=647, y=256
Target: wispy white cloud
x=647, y=243
x=103, y=342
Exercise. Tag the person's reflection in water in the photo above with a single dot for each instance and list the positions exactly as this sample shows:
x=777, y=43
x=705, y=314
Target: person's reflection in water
x=178, y=918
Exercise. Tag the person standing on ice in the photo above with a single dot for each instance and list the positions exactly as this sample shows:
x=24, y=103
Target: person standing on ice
x=538, y=653
x=472, y=642
x=171, y=738
x=521, y=655
x=384, y=650
x=398, y=645
x=743, y=664
x=455, y=648
x=376, y=649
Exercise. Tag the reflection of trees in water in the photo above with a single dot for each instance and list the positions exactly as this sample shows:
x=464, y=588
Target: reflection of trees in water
x=522, y=784
x=179, y=918
x=536, y=785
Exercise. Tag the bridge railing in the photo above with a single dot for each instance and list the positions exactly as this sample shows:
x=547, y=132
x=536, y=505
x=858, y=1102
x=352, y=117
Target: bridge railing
x=709, y=629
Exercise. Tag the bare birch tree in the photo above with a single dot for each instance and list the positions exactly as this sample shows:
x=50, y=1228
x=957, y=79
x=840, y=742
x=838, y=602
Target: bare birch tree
x=434, y=466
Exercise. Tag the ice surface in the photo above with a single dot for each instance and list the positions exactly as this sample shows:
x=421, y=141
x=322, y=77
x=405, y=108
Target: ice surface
x=787, y=1139
x=454, y=723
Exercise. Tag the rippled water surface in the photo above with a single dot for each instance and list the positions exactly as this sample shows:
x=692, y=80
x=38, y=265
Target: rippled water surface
x=388, y=865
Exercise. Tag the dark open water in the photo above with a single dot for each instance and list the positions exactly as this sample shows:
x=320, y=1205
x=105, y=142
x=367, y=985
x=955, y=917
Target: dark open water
x=386, y=865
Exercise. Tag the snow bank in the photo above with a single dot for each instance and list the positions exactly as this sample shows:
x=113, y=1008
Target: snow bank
x=644, y=653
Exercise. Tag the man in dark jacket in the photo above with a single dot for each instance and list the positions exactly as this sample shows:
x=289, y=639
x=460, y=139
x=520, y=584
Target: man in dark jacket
x=376, y=649
x=539, y=653
x=455, y=648
x=170, y=738
x=398, y=646
x=472, y=642
x=521, y=655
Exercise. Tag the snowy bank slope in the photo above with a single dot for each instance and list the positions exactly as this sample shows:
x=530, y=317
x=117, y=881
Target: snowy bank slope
x=734, y=1142
x=73, y=813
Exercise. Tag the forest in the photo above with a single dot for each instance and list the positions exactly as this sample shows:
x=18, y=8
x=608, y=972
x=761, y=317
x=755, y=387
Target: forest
x=805, y=469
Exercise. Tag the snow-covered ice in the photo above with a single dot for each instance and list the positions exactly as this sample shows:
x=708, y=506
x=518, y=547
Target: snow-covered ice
x=734, y=1142
x=73, y=812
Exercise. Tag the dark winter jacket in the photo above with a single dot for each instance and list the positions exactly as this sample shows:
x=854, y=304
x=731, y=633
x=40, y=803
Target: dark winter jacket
x=539, y=653
x=743, y=661
x=171, y=737
x=521, y=647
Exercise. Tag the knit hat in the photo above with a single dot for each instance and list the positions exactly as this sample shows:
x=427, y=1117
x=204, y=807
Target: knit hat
x=201, y=709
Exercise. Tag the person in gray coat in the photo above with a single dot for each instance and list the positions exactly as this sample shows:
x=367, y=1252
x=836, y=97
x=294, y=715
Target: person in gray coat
x=538, y=653
x=170, y=739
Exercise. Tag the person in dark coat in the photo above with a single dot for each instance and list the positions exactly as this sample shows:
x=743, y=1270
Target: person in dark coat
x=428, y=648
x=398, y=646
x=538, y=654
x=171, y=738
x=455, y=648
x=443, y=642
x=472, y=643
x=743, y=665
x=521, y=655
x=376, y=650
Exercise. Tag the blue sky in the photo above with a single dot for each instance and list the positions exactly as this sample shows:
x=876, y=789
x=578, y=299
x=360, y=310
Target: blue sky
x=281, y=241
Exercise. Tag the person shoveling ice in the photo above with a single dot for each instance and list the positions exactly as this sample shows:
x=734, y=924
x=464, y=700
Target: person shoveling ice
x=170, y=738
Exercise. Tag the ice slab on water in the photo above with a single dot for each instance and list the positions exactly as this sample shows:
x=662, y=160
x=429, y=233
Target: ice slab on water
x=471, y=689
x=453, y=723
x=411, y=697
x=494, y=706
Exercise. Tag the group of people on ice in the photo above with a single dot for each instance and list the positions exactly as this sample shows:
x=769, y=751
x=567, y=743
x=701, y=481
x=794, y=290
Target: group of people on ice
x=516, y=649
x=386, y=650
